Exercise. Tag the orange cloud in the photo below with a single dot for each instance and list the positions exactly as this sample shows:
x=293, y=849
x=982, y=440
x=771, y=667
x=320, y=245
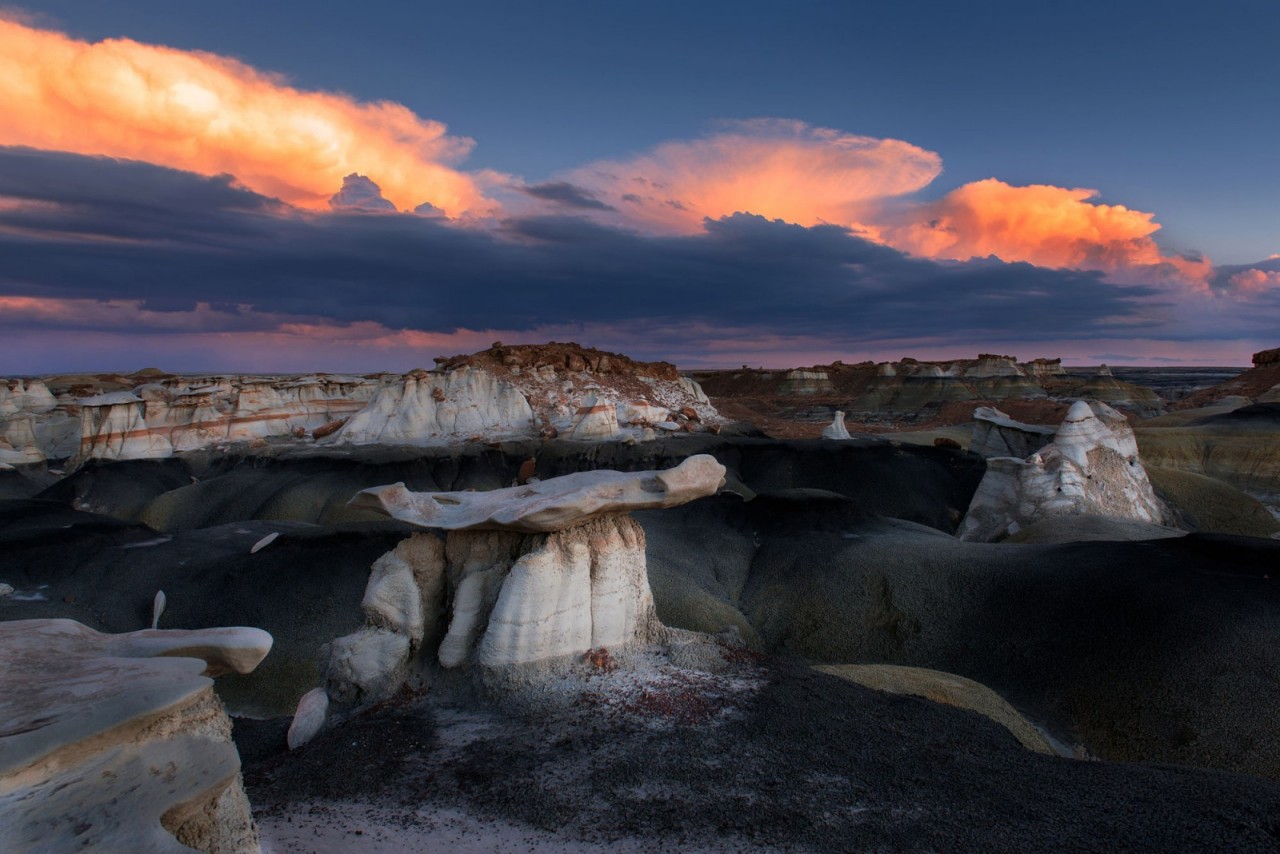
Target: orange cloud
x=210, y=114
x=1041, y=224
x=776, y=168
x=788, y=170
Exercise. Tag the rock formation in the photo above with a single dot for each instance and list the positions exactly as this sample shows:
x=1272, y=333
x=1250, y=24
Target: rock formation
x=1090, y=467
x=160, y=418
x=530, y=390
x=597, y=419
x=910, y=390
x=995, y=434
x=1261, y=383
x=117, y=742
x=525, y=577
x=836, y=429
x=504, y=392
x=424, y=407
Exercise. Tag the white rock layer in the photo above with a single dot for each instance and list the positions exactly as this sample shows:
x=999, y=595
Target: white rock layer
x=1091, y=467
x=437, y=408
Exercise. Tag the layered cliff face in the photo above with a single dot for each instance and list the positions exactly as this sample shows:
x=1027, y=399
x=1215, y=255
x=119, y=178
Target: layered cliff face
x=524, y=580
x=117, y=742
x=505, y=392
x=1090, y=468
x=912, y=391
x=1260, y=384
x=179, y=414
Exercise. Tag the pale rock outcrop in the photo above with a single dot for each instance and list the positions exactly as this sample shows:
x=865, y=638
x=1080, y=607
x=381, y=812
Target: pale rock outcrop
x=187, y=414
x=1091, y=467
x=596, y=419
x=18, y=443
x=836, y=429
x=25, y=396
x=806, y=382
x=995, y=434
x=642, y=413
x=525, y=577
x=1044, y=368
x=113, y=426
x=439, y=407
x=117, y=742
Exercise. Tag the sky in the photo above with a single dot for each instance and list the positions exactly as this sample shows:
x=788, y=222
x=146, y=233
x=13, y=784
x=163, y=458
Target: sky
x=322, y=186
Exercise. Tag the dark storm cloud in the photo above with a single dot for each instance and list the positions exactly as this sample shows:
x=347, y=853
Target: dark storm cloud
x=102, y=229
x=566, y=194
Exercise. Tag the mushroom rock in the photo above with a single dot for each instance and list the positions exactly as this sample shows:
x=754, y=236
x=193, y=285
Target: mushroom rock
x=995, y=434
x=836, y=429
x=90, y=717
x=596, y=419
x=1091, y=467
x=525, y=577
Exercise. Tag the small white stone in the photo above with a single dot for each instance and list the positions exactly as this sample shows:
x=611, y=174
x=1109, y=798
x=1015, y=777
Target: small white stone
x=309, y=718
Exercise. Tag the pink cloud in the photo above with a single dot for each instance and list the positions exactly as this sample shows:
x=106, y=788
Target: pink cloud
x=776, y=168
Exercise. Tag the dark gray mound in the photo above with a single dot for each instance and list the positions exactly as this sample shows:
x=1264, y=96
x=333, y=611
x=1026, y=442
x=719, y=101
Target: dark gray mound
x=1253, y=416
x=120, y=489
x=14, y=483
x=929, y=485
x=304, y=588
x=808, y=763
x=1164, y=650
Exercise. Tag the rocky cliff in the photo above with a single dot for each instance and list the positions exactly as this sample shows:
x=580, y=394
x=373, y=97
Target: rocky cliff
x=1090, y=468
x=910, y=391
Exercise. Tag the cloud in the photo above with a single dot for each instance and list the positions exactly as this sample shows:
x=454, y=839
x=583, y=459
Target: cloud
x=214, y=115
x=358, y=193
x=788, y=170
x=223, y=260
x=778, y=169
x=566, y=194
x=1041, y=224
x=1255, y=281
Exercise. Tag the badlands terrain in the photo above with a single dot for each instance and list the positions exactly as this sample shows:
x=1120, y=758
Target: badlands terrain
x=550, y=598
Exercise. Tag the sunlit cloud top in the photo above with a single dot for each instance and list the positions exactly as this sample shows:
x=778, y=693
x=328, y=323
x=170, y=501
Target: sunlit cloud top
x=211, y=114
x=778, y=169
